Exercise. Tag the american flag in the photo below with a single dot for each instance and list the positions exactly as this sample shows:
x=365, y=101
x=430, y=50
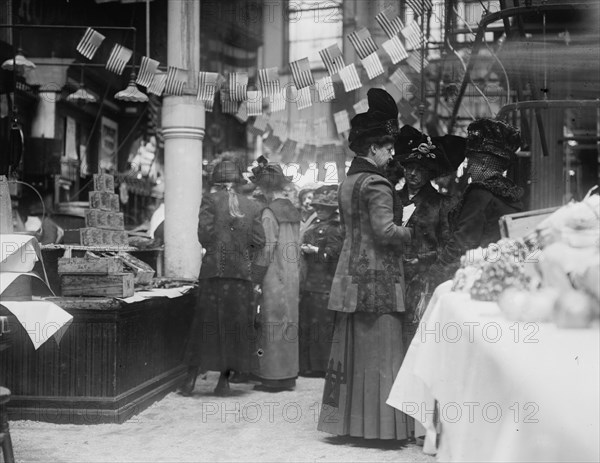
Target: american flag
x=158, y=83
x=272, y=142
x=301, y=73
x=389, y=22
x=238, y=83
x=242, y=112
x=119, y=56
x=176, y=80
x=227, y=106
x=420, y=6
x=268, y=81
x=288, y=150
x=361, y=106
x=395, y=49
x=342, y=121
x=413, y=36
x=254, y=100
x=325, y=89
x=414, y=61
x=148, y=68
x=350, y=78
x=372, y=65
x=260, y=125
x=400, y=80
x=303, y=99
x=89, y=43
x=362, y=42
x=208, y=84
x=277, y=101
x=333, y=59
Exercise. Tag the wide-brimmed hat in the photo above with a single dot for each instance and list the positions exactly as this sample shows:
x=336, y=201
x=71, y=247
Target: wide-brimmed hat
x=268, y=175
x=380, y=120
x=492, y=138
x=326, y=195
x=414, y=147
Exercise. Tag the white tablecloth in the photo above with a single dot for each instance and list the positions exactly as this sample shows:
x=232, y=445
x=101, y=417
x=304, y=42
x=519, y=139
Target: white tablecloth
x=506, y=391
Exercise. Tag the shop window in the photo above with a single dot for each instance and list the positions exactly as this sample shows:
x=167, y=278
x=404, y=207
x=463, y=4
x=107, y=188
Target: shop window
x=312, y=26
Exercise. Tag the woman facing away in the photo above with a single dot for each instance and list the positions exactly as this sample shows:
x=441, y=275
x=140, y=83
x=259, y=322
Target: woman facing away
x=276, y=270
x=367, y=293
x=230, y=229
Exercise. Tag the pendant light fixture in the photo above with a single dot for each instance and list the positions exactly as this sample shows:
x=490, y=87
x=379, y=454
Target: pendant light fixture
x=131, y=94
x=82, y=95
x=19, y=62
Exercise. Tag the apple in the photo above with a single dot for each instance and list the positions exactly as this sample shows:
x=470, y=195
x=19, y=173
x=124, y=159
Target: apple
x=573, y=309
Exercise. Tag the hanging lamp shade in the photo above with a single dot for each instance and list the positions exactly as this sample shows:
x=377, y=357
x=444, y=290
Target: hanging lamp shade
x=22, y=63
x=82, y=95
x=131, y=93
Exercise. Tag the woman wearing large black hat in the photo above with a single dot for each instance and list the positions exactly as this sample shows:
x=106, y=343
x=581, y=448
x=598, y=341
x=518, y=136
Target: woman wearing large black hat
x=276, y=269
x=367, y=293
x=490, y=149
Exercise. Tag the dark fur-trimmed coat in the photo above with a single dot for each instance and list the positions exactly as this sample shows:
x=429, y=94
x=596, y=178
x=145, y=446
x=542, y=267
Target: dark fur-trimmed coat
x=369, y=276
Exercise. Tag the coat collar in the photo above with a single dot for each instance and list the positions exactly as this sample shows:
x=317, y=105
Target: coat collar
x=360, y=165
x=425, y=192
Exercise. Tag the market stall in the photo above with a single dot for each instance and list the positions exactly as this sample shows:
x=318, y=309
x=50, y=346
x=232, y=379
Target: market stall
x=505, y=365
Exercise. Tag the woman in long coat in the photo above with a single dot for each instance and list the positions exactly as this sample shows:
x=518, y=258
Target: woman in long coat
x=321, y=246
x=276, y=270
x=367, y=293
x=230, y=229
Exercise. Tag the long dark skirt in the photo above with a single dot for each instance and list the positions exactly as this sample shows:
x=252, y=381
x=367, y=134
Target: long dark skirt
x=316, y=332
x=366, y=354
x=222, y=334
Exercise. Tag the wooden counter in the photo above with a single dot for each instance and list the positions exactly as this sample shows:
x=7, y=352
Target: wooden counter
x=113, y=361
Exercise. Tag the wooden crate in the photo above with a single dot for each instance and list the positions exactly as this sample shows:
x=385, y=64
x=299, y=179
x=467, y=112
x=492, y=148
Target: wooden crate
x=119, y=285
x=143, y=273
x=97, y=266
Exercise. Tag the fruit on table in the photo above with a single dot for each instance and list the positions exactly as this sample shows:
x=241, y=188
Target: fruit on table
x=528, y=306
x=573, y=309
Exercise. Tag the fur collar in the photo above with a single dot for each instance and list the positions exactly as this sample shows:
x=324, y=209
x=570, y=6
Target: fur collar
x=499, y=186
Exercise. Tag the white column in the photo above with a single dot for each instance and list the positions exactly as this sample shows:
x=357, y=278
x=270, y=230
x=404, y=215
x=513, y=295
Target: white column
x=183, y=129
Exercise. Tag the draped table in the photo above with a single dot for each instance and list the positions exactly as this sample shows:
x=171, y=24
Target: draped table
x=489, y=389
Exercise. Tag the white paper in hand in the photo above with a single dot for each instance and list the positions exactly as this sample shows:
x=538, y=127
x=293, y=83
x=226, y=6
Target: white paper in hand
x=407, y=212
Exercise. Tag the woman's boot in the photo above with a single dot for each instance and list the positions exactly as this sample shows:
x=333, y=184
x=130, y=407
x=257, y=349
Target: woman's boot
x=222, y=388
x=189, y=383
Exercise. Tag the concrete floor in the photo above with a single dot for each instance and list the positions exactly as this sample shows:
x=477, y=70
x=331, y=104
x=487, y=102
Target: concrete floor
x=247, y=426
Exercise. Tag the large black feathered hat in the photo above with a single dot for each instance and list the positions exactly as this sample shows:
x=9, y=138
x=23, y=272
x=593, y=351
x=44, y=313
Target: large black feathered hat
x=269, y=175
x=414, y=147
x=380, y=120
x=494, y=138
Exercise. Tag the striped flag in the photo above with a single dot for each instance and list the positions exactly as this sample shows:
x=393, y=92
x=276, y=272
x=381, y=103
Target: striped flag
x=372, y=65
x=303, y=98
x=288, y=150
x=158, y=83
x=332, y=58
x=394, y=48
x=208, y=84
x=389, y=22
x=254, y=100
x=260, y=125
x=272, y=142
x=90, y=42
x=148, y=68
x=350, y=78
x=176, y=80
x=238, y=83
x=325, y=89
x=414, y=61
x=119, y=56
x=277, y=101
x=227, y=106
x=268, y=81
x=361, y=106
x=400, y=80
x=301, y=73
x=420, y=6
x=320, y=129
x=342, y=121
x=362, y=42
x=242, y=112
x=413, y=36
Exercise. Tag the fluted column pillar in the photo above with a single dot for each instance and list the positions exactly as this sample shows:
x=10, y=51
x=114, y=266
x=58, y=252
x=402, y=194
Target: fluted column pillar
x=183, y=129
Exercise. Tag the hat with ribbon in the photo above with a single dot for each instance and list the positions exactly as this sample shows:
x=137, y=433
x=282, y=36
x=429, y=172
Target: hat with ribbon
x=227, y=170
x=269, y=175
x=414, y=147
x=326, y=195
x=492, y=138
x=380, y=120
